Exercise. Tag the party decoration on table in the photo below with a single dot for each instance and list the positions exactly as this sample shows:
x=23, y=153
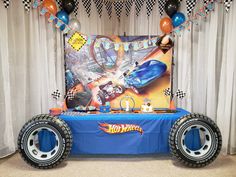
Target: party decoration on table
x=118, y=6
x=149, y=6
x=56, y=94
x=190, y=4
x=180, y=94
x=51, y=7
x=166, y=25
x=108, y=5
x=178, y=19
x=87, y=6
x=161, y=6
x=171, y=7
x=128, y=6
x=227, y=4
x=99, y=6
x=6, y=3
x=138, y=6
x=127, y=103
x=68, y=6
x=63, y=17
x=77, y=41
x=146, y=107
x=27, y=4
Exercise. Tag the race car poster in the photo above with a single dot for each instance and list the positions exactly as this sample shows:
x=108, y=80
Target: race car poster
x=107, y=68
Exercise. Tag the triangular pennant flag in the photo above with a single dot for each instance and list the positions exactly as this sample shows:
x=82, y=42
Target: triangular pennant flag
x=108, y=5
x=149, y=6
x=227, y=4
x=59, y=3
x=27, y=4
x=161, y=5
x=76, y=7
x=99, y=5
x=118, y=6
x=128, y=5
x=6, y=3
x=138, y=6
x=87, y=6
x=190, y=4
x=206, y=3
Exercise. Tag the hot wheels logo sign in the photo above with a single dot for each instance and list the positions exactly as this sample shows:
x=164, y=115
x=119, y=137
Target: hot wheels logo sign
x=119, y=128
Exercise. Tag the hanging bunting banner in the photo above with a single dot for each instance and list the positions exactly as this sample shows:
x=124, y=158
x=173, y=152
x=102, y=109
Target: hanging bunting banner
x=59, y=4
x=27, y=4
x=161, y=5
x=128, y=6
x=149, y=6
x=36, y=3
x=87, y=6
x=190, y=4
x=138, y=6
x=118, y=6
x=108, y=5
x=99, y=5
x=6, y=3
x=76, y=7
x=227, y=4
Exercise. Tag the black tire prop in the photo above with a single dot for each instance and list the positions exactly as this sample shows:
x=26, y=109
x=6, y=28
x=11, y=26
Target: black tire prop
x=28, y=141
x=211, y=140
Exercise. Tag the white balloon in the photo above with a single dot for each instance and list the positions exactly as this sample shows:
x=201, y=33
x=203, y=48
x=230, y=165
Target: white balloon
x=74, y=24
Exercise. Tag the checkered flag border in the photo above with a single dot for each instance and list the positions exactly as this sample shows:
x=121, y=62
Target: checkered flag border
x=190, y=4
x=128, y=6
x=108, y=5
x=227, y=4
x=87, y=6
x=56, y=94
x=6, y=3
x=161, y=6
x=99, y=5
x=70, y=95
x=138, y=6
x=149, y=6
x=118, y=6
x=180, y=94
x=76, y=7
x=167, y=92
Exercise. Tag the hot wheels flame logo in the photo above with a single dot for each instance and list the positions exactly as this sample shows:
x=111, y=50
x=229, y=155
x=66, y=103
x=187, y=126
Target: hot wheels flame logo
x=119, y=128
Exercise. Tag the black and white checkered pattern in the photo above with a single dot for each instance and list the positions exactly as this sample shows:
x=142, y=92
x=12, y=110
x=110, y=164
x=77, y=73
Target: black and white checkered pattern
x=180, y=94
x=59, y=4
x=190, y=4
x=99, y=5
x=27, y=4
x=167, y=92
x=138, y=6
x=206, y=2
x=118, y=6
x=128, y=6
x=70, y=95
x=6, y=3
x=161, y=5
x=76, y=7
x=149, y=6
x=56, y=94
x=108, y=5
x=87, y=6
x=227, y=4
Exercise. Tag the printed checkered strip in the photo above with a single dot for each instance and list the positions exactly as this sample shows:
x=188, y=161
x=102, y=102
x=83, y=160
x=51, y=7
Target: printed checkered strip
x=56, y=94
x=87, y=6
x=161, y=5
x=99, y=5
x=167, y=92
x=227, y=4
x=118, y=6
x=190, y=4
x=6, y=3
x=59, y=3
x=180, y=94
x=76, y=7
x=27, y=4
x=128, y=6
x=149, y=6
x=70, y=95
x=108, y=5
x=138, y=6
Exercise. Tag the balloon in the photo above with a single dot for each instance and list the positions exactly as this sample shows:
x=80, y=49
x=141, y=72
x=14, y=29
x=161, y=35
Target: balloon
x=171, y=7
x=166, y=25
x=178, y=19
x=75, y=24
x=51, y=6
x=63, y=16
x=68, y=5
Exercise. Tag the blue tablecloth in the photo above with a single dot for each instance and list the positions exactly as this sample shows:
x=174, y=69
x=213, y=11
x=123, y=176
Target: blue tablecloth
x=88, y=138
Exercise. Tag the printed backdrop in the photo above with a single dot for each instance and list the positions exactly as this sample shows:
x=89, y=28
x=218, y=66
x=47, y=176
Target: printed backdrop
x=101, y=72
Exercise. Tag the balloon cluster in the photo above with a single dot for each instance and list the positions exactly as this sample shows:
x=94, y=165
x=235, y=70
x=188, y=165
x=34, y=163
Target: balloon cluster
x=68, y=6
x=175, y=18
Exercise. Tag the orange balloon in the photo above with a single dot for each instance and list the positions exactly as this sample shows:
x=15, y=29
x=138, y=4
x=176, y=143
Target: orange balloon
x=166, y=25
x=51, y=6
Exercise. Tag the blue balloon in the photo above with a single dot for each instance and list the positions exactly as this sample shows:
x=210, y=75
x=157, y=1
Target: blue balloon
x=178, y=19
x=63, y=16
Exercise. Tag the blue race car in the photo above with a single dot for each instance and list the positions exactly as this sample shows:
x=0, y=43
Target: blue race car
x=144, y=74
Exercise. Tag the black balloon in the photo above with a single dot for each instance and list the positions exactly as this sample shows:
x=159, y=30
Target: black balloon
x=171, y=7
x=68, y=5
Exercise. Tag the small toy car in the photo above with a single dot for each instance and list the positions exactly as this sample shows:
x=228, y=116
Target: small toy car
x=145, y=74
x=108, y=92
